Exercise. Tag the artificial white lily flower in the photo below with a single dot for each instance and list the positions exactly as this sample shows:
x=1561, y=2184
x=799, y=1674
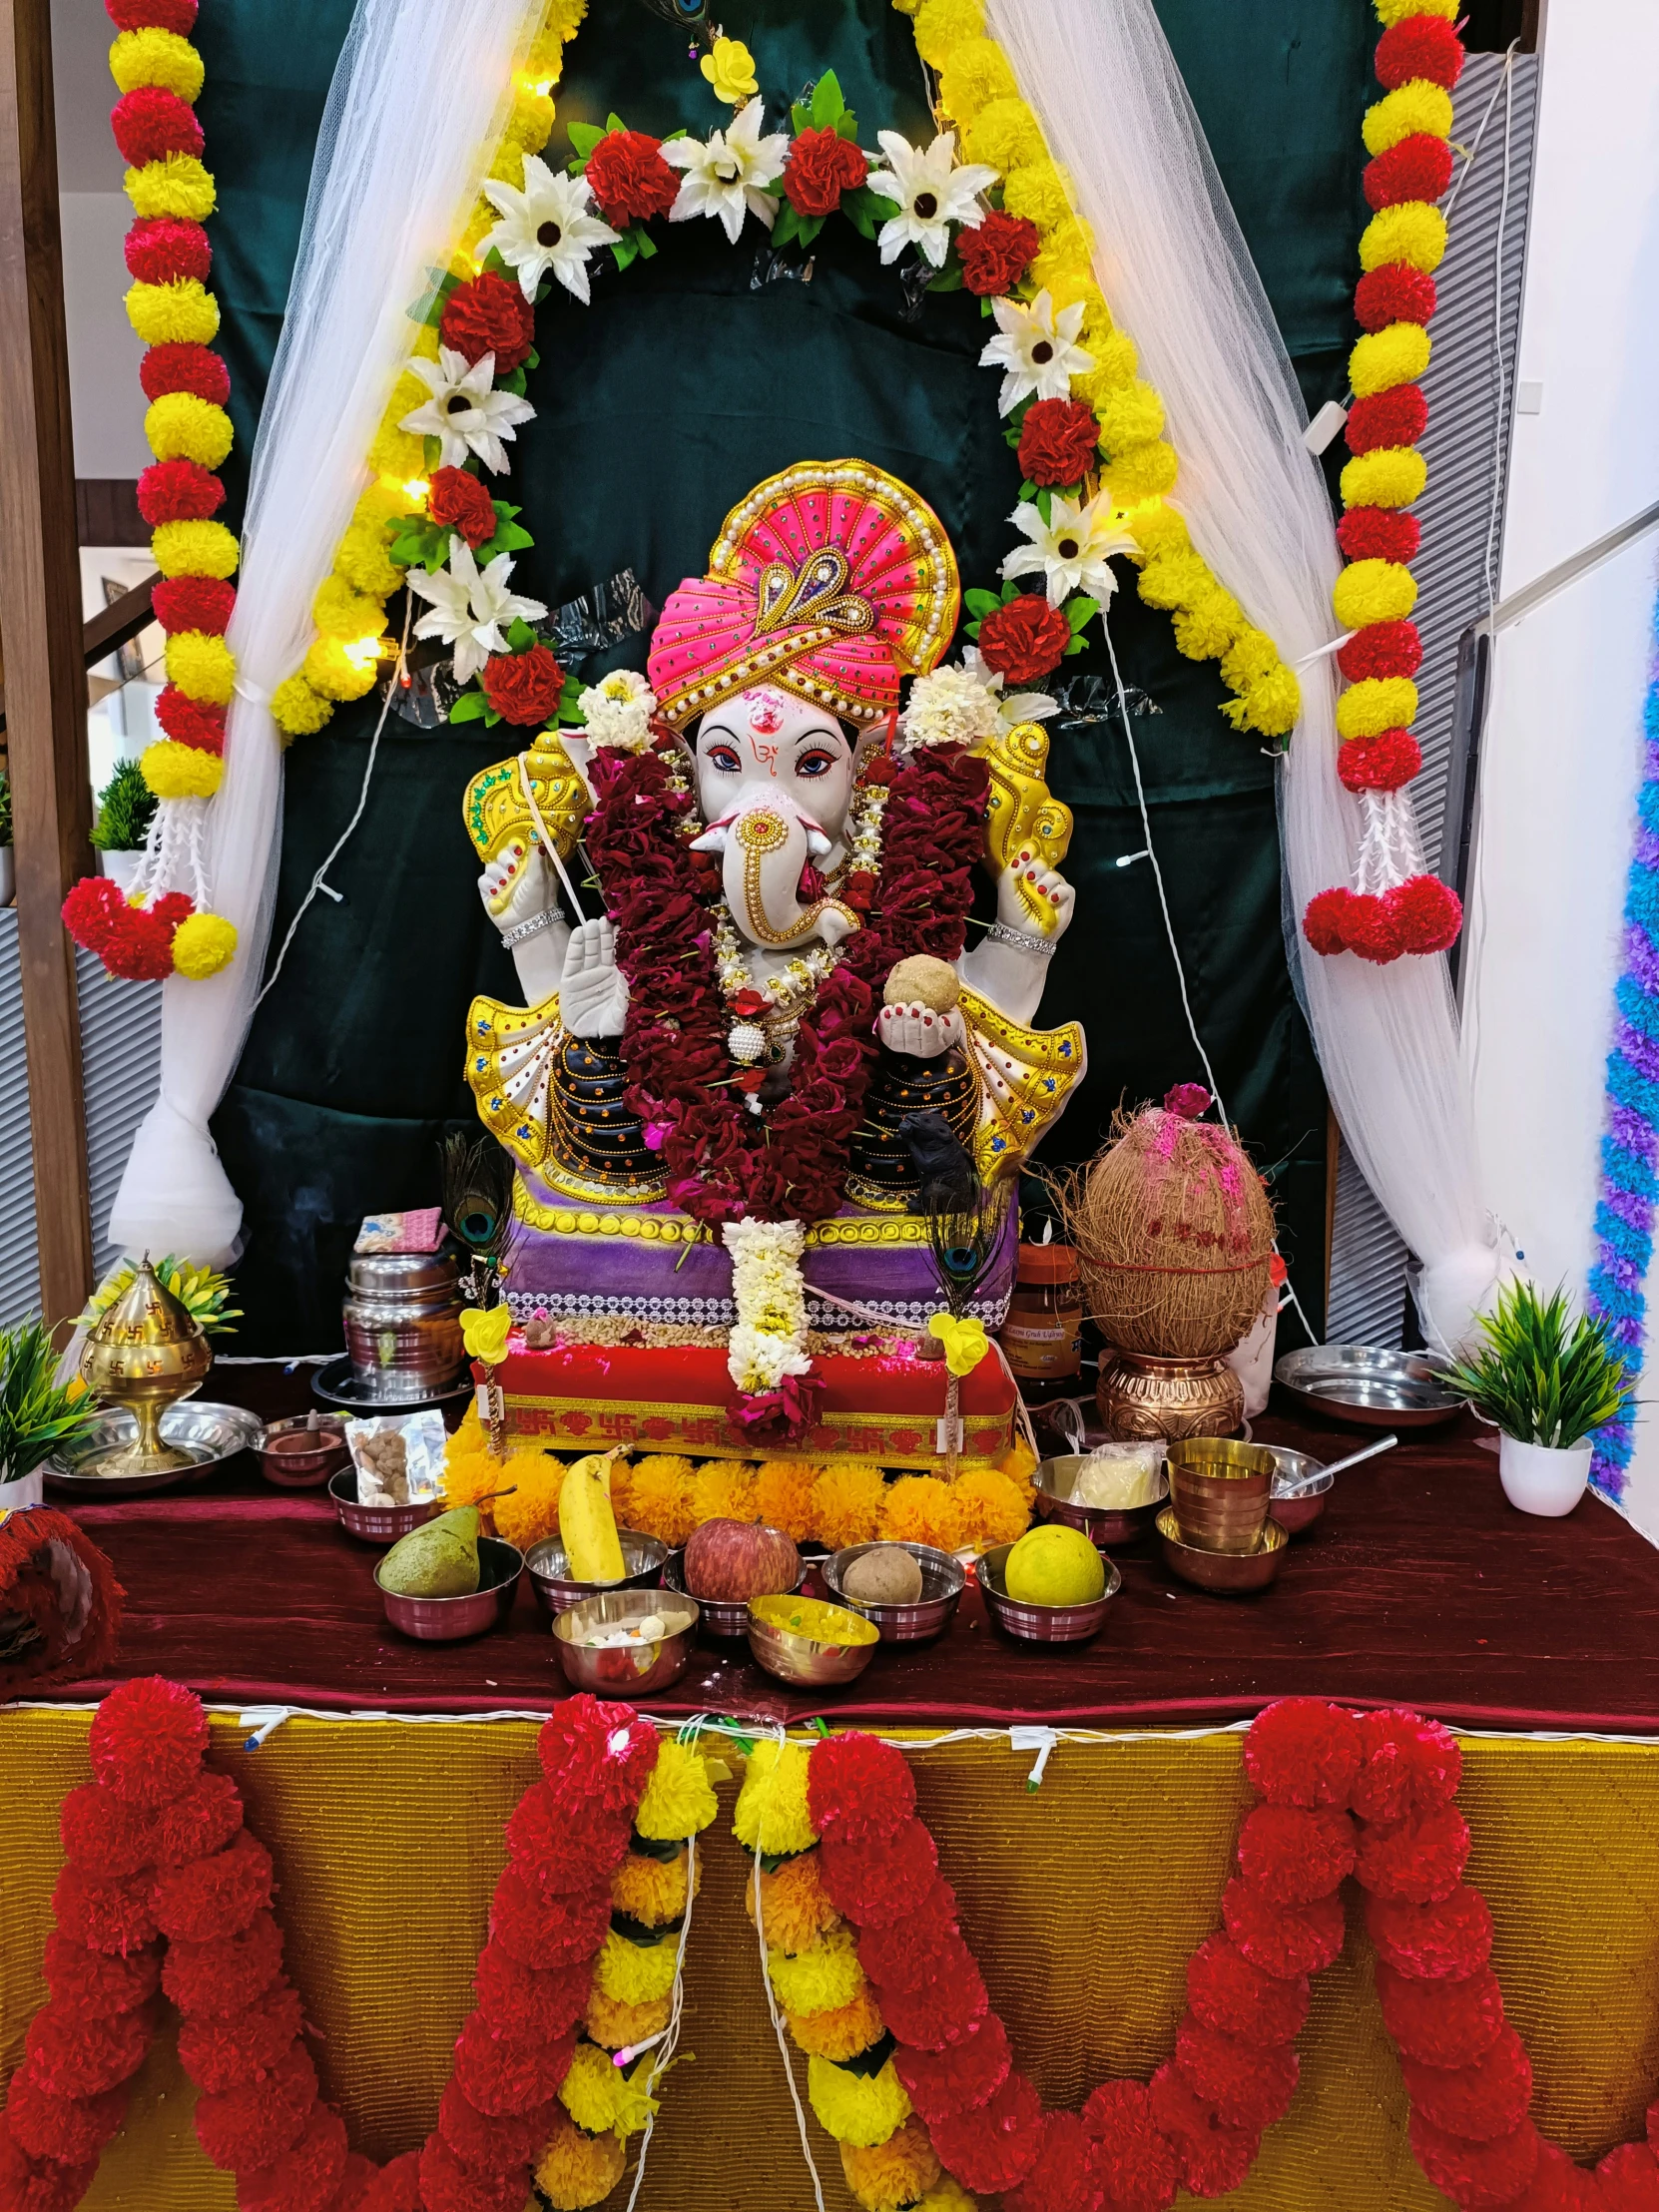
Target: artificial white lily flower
x=930, y=190
x=1016, y=706
x=1037, y=348
x=1072, y=549
x=546, y=227
x=463, y=412
x=468, y=608
x=726, y=173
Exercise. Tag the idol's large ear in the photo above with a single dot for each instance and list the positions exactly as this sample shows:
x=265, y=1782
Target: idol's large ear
x=866, y=740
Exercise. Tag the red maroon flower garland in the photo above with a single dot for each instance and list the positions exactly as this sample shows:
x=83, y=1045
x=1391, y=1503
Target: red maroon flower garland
x=721, y=1164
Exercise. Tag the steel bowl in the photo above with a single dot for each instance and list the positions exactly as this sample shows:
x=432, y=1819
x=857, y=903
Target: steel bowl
x=1371, y=1387
x=931, y=1615
x=557, y=1589
x=625, y=1670
x=377, y=1524
x=209, y=1433
x=722, y=1616
x=296, y=1456
x=815, y=1662
x=1224, y=1573
x=1104, y=1525
x=1218, y=1492
x=1301, y=1488
x=450, y=1620
x=1041, y=1624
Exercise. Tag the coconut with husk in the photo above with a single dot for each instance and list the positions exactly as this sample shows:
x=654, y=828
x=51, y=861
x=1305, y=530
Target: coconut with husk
x=1173, y=1230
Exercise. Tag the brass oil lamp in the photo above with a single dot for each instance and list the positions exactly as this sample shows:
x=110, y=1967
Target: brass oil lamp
x=146, y=1352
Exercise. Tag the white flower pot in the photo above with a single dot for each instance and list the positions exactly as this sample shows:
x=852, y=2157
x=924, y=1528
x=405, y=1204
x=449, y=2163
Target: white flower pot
x=8, y=875
x=1543, y=1478
x=119, y=867
x=29, y=1489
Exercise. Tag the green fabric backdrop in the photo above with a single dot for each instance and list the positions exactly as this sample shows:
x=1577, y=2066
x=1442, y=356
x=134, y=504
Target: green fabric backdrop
x=685, y=384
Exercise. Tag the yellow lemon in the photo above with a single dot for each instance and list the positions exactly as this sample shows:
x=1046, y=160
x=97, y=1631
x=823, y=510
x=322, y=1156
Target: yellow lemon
x=1055, y=1565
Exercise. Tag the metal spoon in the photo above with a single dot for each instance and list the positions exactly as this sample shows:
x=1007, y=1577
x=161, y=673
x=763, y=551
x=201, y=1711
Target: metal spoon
x=1350, y=1459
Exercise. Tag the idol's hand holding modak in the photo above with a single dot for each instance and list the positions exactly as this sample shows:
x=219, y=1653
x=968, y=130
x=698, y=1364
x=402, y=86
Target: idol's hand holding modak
x=593, y=992
x=1033, y=897
x=918, y=1030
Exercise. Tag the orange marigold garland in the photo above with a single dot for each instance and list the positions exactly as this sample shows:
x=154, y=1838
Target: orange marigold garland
x=1395, y=906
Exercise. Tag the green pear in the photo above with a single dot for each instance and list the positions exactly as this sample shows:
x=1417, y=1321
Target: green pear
x=437, y=1560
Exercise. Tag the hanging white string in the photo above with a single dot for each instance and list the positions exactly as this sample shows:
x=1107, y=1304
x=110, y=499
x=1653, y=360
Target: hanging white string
x=318, y=883
x=670, y=2037
x=775, y=1729
x=1486, y=117
x=549, y=844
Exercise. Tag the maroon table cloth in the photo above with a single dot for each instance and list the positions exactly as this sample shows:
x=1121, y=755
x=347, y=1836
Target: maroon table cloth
x=1422, y=1586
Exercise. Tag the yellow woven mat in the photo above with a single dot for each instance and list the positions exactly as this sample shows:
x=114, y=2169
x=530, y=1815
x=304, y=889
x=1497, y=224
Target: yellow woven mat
x=1082, y=1901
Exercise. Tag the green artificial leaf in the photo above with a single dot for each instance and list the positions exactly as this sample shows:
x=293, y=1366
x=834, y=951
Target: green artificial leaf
x=533, y=359
x=584, y=137
x=1044, y=505
x=980, y=602
x=949, y=278
x=1028, y=489
x=472, y=705
x=809, y=226
x=770, y=1860
x=512, y=537
x=1010, y=592
x=788, y=227
x=429, y=308
x=971, y=629
x=800, y=118
x=864, y=210
x=432, y=452
x=827, y=104
x=984, y=305
x=520, y=635
x=642, y=1937
x=513, y=383
x=496, y=266
x=1082, y=609
x=626, y=249
x=1540, y=1376
x=846, y=125
x=654, y=1846
x=1079, y=644
x=670, y=136
x=867, y=2064
x=568, y=696
x=613, y=121
x=646, y=243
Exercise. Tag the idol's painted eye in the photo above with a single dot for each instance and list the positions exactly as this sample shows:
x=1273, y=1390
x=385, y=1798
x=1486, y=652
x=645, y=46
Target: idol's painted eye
x=725, y=758
x=816, y=763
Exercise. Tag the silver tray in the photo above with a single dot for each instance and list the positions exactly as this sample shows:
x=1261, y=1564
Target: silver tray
x=339, y=1383
x=1370, y=1386
x=207, y=1432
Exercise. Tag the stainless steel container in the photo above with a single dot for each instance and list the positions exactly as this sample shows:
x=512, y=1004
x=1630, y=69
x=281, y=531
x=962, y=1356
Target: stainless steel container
x=403, y=1324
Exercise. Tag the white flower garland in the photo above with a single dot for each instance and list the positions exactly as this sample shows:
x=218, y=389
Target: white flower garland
x=769, y=1292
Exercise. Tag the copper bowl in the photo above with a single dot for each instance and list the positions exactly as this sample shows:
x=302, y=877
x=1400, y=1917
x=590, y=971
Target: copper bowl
x=1104, y=1525
x=625, y=1670
x=375, y=1524
x=1223, y=1572
x=1220, y=1491
x=1301, y=1488
x=1041, y=1624
x=723, y=1616
x=449, y=1620
x=796, y=1655
x=927, y=1616
x=296, y=1456
x=557, y=1589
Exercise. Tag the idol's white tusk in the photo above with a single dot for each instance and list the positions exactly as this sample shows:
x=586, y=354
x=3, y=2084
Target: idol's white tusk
x=712, y=840
x=818, y=845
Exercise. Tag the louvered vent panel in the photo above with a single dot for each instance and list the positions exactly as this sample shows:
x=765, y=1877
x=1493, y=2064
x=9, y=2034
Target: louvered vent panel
x=121, y=1044
x=19, y=1274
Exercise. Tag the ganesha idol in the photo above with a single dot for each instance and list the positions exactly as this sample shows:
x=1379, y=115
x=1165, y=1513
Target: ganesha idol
x=777, y=974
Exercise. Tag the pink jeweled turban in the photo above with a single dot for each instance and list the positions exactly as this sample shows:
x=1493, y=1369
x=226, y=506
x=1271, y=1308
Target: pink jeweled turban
x=832, y=580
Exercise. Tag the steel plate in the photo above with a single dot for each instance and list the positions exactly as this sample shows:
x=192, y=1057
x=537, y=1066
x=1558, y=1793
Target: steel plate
x=339, y=1384
x=209, y=1432
x=1371, y=1387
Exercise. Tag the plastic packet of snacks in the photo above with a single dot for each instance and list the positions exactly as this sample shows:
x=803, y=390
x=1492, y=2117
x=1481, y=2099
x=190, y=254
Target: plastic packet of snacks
x=398, y=1458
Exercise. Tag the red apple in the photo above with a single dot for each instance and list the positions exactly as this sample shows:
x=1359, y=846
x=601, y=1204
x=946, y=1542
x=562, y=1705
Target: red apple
x=732, y=1560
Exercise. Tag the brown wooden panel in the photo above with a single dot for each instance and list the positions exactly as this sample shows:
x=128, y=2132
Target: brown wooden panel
x=107, y=511
x=40, y=617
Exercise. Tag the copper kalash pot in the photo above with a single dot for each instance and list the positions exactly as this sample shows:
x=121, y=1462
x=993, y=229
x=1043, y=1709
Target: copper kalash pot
x=145, y=1354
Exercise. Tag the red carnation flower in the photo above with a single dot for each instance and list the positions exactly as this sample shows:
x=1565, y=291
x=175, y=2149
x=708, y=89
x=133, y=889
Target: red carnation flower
x=859, y=1790
x=1478, y=2101
x=958, y=2078
x=1420, y=46
x=489, y=316
x=1396, y=293
x=1369, y=930
x=1427, y=914
x=1416, y=1860
x=359, y=2175
x=1061, y=2180
x=1418, y=167
x=69, y=2057
x=947, y=2010
x=177, y=491
x=448, y=2185
x=39, y=2185
x=1294, y=1856
x=1283, y=1939
x=224, y=2053
x=224, y=1977
x=1231, y=1995
x=461, y=502
x=876, y=1884
x=548, y=1932
x=1212, y=2158
x=1324, y=919
x=507, y=2139
x=523, y=687
x=630, y=179
x=255, y=2124
x=1411, y=1765
x=596, y=1755
x=147, y=1741
x=150, y=123
x=89, y=1984
x=68, y=2130
x=822, y=165
x=502, y=2077
x=211, y=1898
x=1398, y=417
x=904, y=1950
x=162, y=247
x=307, y=2174
x=1557, y=2185
x=539, y=2002
x=1385, y=763
x=1443, y=2023
x=184, y=367
x=1379, y=534
x=191, y=721
x=396, y=2188
x=1446, y=1940
x=107, y=1915
x=1627, y=2179
x=1249, y=2085
x=1025, y=640
x=192, y=603
x=102, y=1835
x=1058, y=441
x=1303, y=1752
x=141, y=949
x=998, y=2143
x=1134, y=2162
x=164, y=15
x=1478, y=2176
x=996, y=252
x=1380, y=648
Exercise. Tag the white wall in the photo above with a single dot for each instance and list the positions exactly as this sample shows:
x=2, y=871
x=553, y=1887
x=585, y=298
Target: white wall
x=1563, y=743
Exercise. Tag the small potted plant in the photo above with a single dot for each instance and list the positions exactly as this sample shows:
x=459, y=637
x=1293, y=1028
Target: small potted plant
x=1547, y=1381
x=125, y=808
x=8, y=871
x=37, y=1414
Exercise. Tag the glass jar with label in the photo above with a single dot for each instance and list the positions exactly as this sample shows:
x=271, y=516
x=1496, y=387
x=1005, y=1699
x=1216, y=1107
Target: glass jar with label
x=1042, y=1334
